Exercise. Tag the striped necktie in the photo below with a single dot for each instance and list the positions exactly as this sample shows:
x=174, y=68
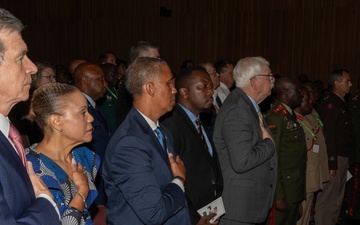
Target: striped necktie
x=261, y=118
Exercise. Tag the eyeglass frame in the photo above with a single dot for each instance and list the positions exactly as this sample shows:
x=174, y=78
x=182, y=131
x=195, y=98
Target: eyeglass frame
x=50, y=77
x=270, y=76
x=214, y=73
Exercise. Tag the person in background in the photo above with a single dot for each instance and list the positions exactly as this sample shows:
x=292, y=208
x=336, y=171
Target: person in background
x=124, y=102
x=63, y=75
x=60, y=110
x=192, y=141
x=24, y=198
x=225, y=70
x=144, y=49
x=246, y=149
x=73, y=64
x=45, y=74
x=108, y=103
x=186, y=63
x=338, y=130
x=354, y=161
x=89, y=78
x=209, y=115
x=317, y=171
x=140, y=49
x=107, y=57
x=291, y=148
x=121, y=67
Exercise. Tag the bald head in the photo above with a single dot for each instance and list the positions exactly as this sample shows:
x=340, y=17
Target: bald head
x=89, y=78
x=75, y=63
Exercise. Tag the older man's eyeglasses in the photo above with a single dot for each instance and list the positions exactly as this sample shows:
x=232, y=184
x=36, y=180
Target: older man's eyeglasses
x=270, y=76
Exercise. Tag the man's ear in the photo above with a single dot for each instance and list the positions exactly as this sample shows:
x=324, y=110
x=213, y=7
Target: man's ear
x=253, y=83
x=183, y=92
x=85, y=80
x=150, y=88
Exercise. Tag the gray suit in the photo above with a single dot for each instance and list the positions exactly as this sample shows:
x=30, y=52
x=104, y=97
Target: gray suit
x=248, y=163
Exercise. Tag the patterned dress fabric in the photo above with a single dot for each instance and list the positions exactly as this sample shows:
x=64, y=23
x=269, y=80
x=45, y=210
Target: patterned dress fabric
x=62, y=187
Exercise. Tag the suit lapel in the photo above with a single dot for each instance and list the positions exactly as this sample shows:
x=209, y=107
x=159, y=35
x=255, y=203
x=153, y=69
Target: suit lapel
x=8, y=154
x=95, y=113
x=194, y=132
x=152, y=137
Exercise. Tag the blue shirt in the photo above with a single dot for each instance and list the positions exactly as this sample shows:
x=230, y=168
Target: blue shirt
x=193, y=119
x=256, y=106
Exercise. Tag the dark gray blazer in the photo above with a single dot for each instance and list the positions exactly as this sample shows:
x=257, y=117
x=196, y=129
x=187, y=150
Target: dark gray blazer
x=248, y=163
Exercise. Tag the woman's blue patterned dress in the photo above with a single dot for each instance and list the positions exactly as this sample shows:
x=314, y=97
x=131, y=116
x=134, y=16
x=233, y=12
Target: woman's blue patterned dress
x=62, y=187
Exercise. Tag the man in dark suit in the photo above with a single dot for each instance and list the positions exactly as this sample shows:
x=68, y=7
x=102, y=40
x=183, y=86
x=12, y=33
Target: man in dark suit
x=291, y=150
x=245, y=146
x=24, y=198
x=143, y=181
x=89, y=78
x=192, y=141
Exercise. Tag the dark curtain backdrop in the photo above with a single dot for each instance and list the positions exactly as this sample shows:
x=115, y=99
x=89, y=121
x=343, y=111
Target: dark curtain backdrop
x=297, y=36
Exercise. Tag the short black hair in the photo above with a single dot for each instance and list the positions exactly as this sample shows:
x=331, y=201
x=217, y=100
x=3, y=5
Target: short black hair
x=184, y=74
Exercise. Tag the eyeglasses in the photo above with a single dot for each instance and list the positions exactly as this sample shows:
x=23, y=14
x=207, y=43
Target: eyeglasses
x=270, y=76
x=50, y=77
x=214, y=73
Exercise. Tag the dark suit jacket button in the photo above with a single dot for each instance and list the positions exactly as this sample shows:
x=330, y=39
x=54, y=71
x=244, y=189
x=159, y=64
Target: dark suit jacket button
x=271, y=169
x=271, y=185
x=212, y=182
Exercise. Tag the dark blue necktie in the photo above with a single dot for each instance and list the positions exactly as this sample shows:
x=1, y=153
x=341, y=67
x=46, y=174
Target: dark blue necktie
x=218, y=101
x=161, y=137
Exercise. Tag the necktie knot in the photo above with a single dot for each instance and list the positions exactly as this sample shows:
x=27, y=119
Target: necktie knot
x=16, y=139
x=160, y=137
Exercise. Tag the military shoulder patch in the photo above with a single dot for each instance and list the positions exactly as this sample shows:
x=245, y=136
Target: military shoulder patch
x=280, y=109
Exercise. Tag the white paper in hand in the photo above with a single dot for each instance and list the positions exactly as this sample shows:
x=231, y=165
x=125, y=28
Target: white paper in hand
x=216, y=206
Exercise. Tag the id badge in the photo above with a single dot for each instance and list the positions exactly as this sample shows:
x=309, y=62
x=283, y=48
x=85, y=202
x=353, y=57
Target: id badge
x=316, y=148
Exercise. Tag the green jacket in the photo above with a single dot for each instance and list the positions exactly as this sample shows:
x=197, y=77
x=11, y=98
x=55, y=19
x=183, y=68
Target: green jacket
x=291, y=148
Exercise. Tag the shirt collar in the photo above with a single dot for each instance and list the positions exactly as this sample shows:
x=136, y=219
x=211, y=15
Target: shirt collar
x=149, y=121
x=188, y=113
x=4, y=125
x=257, y=108
x=92, y=102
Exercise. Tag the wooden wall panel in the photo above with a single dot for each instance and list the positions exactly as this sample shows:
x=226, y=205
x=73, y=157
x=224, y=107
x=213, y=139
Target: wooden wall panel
x=296, y=36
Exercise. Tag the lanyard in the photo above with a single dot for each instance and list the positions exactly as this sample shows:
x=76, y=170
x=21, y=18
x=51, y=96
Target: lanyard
x=307, y=128
x=318, y=120
x=300, y=119
x=112, y=93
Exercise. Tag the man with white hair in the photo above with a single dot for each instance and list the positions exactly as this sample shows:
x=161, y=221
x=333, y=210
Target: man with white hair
x=245, y=147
